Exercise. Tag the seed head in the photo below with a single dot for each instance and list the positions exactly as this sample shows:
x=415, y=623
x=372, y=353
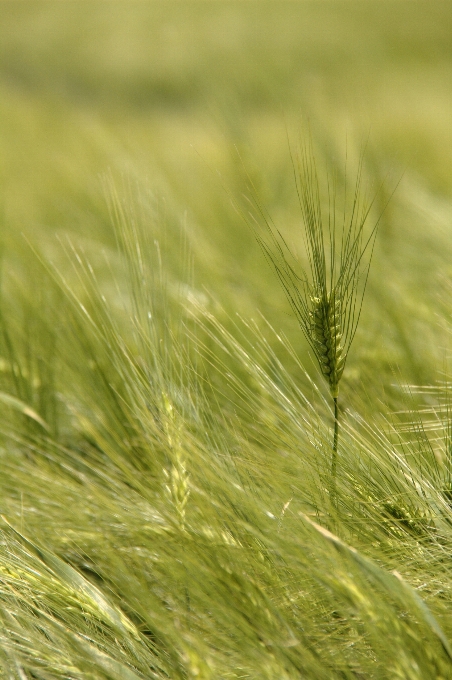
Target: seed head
x=326, y=334
x=327, y=297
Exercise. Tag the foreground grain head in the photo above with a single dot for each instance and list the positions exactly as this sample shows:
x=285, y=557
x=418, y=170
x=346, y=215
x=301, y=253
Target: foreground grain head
x=326, y=296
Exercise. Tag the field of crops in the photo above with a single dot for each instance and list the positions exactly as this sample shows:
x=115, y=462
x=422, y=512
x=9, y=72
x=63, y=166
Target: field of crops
x=180, y=498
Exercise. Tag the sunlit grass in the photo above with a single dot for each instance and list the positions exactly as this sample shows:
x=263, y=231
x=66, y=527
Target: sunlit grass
x=166, y=431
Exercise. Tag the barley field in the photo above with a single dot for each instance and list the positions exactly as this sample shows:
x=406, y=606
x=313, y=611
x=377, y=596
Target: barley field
x=225, y=340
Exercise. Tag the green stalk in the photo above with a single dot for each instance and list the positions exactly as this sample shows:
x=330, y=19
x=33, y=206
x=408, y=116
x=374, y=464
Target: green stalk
x=336, y=435
x=334, y=455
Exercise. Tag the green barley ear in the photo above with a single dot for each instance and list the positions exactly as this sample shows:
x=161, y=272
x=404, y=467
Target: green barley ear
x=327, y=298
x=326, y=335
x=177, y=477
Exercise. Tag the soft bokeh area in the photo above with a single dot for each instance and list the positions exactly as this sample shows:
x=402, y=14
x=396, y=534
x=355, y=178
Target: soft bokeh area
x=183, y=99
x=165, y=431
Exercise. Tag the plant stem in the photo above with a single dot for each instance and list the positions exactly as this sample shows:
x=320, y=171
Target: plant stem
x=334, y=456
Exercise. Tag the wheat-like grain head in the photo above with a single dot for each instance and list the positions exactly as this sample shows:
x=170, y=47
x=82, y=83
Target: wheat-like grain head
x=326, y=299
x=326, y=338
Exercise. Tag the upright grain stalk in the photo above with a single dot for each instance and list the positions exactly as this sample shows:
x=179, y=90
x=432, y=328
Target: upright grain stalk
x=327, y=299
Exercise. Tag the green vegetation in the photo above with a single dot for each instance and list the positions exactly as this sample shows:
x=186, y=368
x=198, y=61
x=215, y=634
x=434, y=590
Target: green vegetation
x=167, y=430
x=327, y=302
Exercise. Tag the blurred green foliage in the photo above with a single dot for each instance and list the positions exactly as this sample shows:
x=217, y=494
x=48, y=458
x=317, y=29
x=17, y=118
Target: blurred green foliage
x=165, y=437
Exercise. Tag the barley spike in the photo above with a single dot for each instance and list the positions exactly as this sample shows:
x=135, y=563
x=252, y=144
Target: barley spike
x=326, y=335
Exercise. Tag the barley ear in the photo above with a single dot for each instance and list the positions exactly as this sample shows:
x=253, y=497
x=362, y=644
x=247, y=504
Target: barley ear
x=327, y=296
x=326, y=336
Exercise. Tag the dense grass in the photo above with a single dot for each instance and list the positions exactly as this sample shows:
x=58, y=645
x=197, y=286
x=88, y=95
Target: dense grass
x=166, y=434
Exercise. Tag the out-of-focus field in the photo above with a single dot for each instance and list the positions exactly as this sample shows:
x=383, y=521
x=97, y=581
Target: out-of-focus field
x=166, y=93
x=170, y=463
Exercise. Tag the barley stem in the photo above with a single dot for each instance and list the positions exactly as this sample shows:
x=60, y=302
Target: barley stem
x=334, y=456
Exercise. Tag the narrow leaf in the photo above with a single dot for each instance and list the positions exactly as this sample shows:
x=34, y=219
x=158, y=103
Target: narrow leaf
x=23, y=408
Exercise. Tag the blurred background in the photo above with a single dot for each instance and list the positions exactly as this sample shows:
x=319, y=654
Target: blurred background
x=182, y=99
x=155, y=432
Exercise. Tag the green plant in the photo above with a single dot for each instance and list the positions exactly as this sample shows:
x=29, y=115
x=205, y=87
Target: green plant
x=163, y=460
x=327, y=299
